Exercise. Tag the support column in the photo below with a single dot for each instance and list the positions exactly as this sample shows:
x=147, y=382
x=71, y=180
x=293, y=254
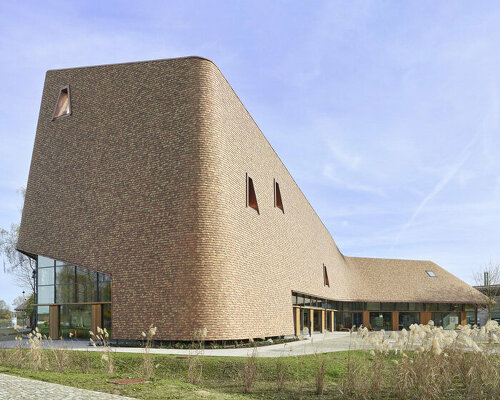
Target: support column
x=395, y=320
x=323, y=321
x=425, y=317
x=54, y=322
x=96, y=317
x=296, y=311
x=463, y=318
x=311, y=322
x=332, y=321
x=366, y=319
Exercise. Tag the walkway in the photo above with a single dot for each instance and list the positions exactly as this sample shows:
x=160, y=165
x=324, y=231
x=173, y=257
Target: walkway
x=319, y=343
x=13, y=388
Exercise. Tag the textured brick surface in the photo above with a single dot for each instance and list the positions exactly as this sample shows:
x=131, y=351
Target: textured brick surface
x=146, y=181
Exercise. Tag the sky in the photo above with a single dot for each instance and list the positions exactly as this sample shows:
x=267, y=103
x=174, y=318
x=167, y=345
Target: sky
x=386, y=113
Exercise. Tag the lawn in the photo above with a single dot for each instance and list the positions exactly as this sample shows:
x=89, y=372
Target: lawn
x=423, y=363
x=222, y=377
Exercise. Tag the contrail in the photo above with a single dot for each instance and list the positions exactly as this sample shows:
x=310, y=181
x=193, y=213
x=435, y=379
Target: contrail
x=437, y=188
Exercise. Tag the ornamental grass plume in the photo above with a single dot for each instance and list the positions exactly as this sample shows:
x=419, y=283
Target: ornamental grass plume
x=102, y=339
x=195, y=368
x=36, y=356
x=250, y=371
x=147, y=362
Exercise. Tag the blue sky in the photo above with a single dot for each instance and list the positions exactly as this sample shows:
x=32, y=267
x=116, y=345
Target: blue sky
x=386, y=113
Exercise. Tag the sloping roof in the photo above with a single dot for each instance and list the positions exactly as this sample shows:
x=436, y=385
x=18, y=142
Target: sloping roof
x=21, y=307
x=391, y=280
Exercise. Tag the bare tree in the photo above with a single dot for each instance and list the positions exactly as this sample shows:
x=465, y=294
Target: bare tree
x=18, y=264
x=488, y=280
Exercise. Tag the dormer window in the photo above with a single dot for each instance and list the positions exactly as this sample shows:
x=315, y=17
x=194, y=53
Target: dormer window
x=278, y=202
x=431, y=274
x=63, y=104
x=251, y=196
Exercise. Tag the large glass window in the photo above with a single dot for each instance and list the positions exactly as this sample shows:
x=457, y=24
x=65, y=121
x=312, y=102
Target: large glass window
x=46, y=276
x=317, y=320
x=106, y=317
x=45, y=262
x=43, y=320
x=77, y=319
x=408, y=318
x=446, y=320
x=65, y=294
x=45, y=294
x=416, y=306
x=72, y=284
x=373, y=306
x=346, y=320
x=381, y=320
x=65, y=275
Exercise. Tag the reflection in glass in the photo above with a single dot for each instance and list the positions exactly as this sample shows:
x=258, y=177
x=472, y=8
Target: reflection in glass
x=45, y=294
x=346, y=320
x=45, y=262
x=86, y=276
x=305, y=321
x=65, y=275
x=446, y=320
x=373, y=306
x=86, y=293
x=77, y=319
x=408, y=318
x=104, y=291
x=46, y=276
x=381, y=320
x=43, y=320
x=416, y=307
x=106, y=317
x=65, y=294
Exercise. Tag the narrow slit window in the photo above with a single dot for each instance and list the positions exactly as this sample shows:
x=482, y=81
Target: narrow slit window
x=251, y=196
x=431, y=274
x=278, y=202
x=63, y=104
x=325, y=276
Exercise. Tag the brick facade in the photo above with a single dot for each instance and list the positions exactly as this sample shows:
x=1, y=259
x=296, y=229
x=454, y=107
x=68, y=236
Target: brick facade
x=146, y=181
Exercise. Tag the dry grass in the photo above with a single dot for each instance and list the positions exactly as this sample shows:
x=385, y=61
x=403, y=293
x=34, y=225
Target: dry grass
x=250, y=371
x=147, y=364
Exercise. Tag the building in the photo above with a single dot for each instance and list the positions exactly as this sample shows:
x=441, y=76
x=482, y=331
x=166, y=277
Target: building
x=479, y=315
x=154, y=198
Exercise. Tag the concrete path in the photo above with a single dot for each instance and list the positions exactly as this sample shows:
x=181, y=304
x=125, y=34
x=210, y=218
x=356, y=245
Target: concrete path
x=13, y=388
x=318, y=343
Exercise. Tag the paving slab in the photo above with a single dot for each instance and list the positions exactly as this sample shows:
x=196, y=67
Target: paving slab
x=14, y=388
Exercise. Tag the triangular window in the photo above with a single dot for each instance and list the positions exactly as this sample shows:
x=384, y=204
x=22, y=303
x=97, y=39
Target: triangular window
x=325, y=276
x=63, y=105
x=277, y=197
x=251, y=197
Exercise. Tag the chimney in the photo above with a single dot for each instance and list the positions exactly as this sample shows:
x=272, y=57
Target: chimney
x=486, y=279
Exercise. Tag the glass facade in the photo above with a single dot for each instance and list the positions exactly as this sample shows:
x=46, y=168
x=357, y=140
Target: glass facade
x=348, y=314
x=448, y=320
x=71, y=289
x=346, y=320
x=408, y=318
x=76, y=319
x=43, y=319
x=59, y=283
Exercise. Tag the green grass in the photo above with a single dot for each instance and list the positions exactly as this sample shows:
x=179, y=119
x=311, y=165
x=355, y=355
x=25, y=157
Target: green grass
x=222, y=376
